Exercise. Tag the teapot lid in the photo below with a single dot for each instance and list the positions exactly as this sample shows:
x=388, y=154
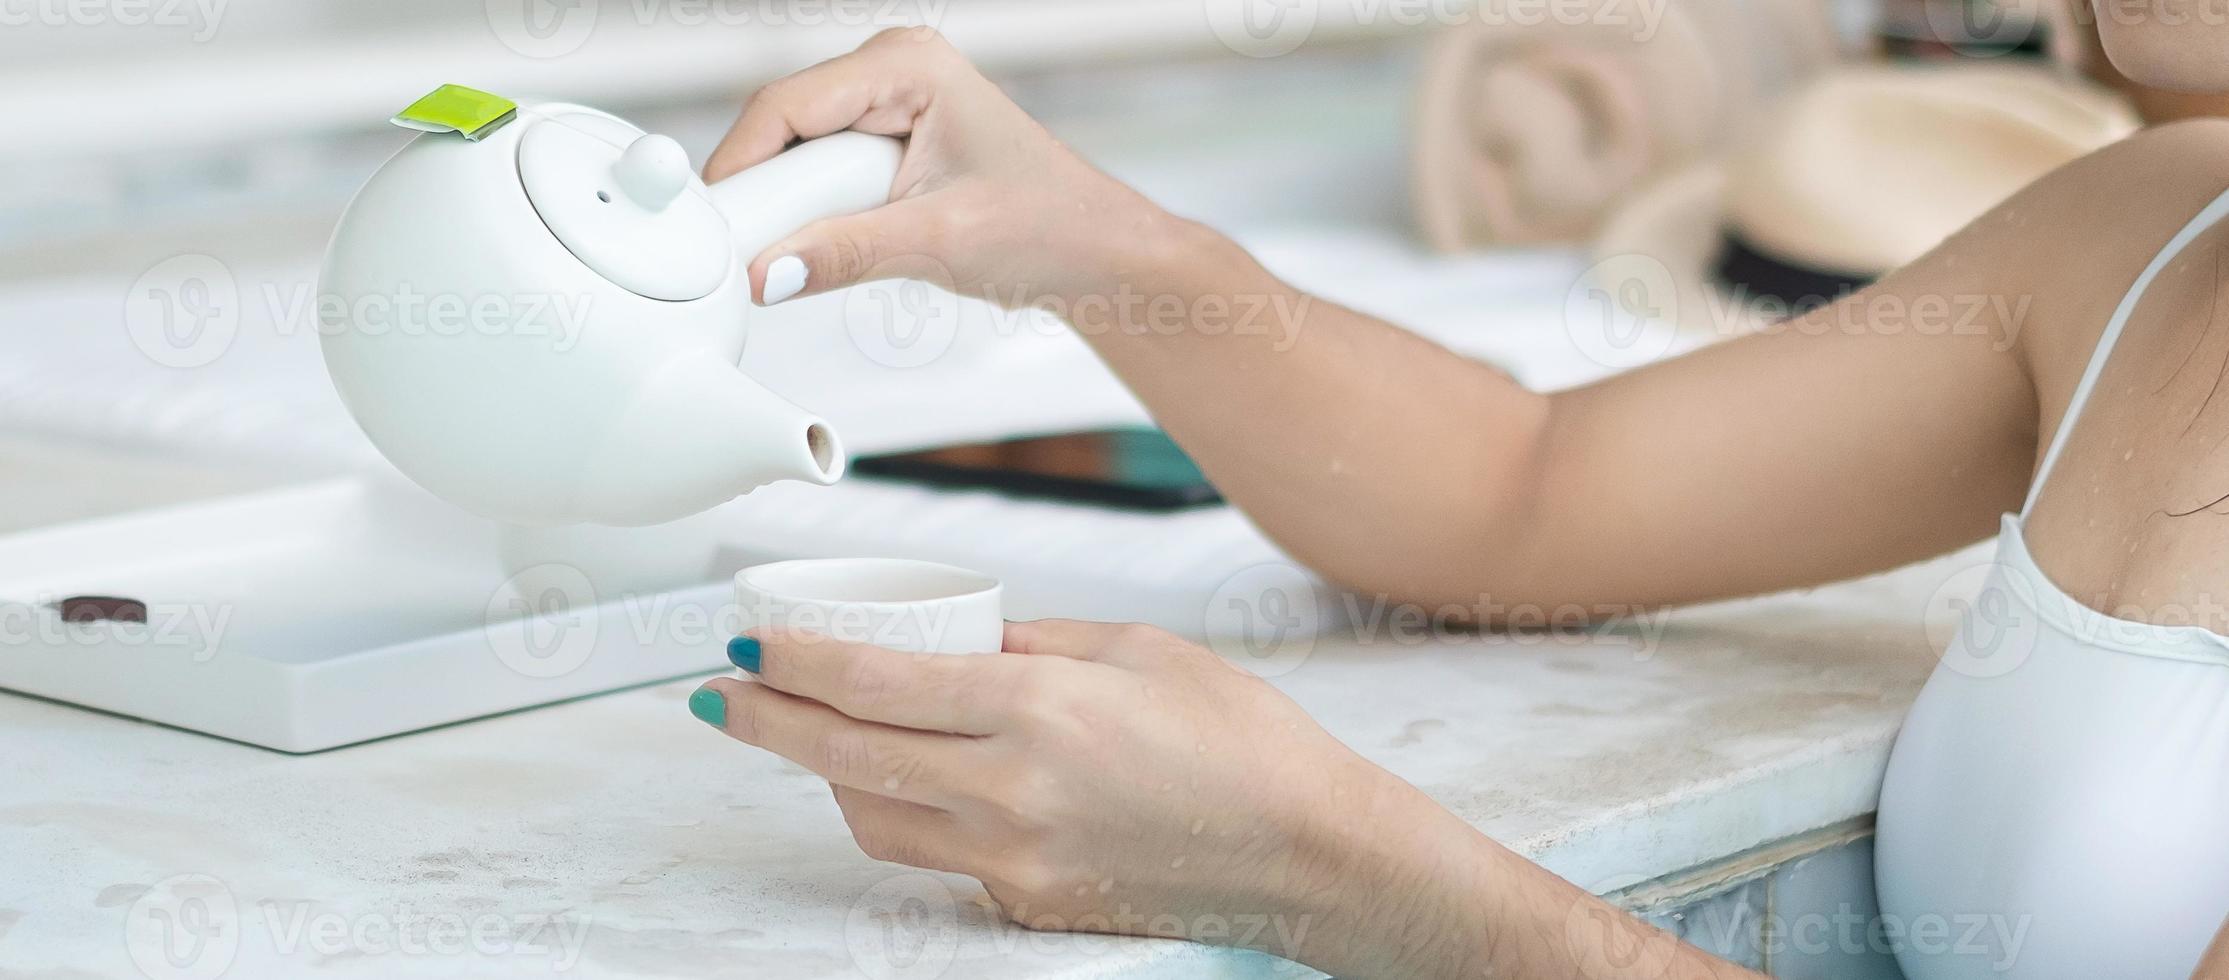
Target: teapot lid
x=626, y=204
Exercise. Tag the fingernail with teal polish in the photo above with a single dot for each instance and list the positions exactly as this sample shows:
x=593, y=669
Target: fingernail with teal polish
x=709, y=707
x=743, y=652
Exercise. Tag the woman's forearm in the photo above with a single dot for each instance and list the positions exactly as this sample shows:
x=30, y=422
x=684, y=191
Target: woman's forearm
x=1421, y=894
x=1382, y=460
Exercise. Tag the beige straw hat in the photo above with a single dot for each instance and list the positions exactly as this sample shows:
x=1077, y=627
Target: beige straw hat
x=1863, y=171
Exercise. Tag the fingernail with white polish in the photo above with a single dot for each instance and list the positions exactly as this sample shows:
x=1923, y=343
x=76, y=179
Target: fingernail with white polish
x=784, y=277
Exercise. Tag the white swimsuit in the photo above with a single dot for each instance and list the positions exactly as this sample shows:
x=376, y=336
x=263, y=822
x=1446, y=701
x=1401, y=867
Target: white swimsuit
x=2057, y=805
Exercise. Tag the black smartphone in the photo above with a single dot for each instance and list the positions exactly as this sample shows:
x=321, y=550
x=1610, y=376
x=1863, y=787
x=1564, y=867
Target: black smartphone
x=1135, y=469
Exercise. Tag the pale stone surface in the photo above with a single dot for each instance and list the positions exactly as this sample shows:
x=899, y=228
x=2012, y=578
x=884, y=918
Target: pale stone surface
x=616, y=837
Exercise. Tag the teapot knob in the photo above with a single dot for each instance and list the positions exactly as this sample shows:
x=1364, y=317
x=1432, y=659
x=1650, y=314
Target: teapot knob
x=652, y=171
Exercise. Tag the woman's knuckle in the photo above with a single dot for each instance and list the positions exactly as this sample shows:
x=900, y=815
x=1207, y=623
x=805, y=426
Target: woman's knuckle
x=1142, y=635
x=965, y=222
x=845, y=753
x=864, y=679
x=848, y=258
x=742, y=717
x=916, y=34
x=938, y=230
x=1027, y=687
x=1032, y=801
x=882, y=847
x=1027, y=873
x=769, y=97
x=899, y=769
x=1042, y=704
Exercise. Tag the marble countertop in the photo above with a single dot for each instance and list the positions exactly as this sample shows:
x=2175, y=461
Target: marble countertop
x=617, y=837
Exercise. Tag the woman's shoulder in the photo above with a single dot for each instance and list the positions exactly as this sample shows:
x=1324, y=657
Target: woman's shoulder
x=2186, y=140
x=2156, y=179
x=2070, y=245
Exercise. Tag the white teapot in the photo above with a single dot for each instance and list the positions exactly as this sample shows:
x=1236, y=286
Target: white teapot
x=536, y=311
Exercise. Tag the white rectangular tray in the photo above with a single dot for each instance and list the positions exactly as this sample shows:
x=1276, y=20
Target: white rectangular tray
x=315, y=616
x=328, y=613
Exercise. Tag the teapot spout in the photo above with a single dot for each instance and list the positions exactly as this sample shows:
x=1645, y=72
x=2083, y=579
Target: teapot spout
x=704, y=433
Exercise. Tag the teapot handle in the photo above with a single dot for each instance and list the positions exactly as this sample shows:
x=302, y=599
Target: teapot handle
x=839, y=174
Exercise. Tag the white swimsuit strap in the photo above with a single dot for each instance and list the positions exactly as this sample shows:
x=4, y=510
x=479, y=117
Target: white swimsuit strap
x=2204, y=220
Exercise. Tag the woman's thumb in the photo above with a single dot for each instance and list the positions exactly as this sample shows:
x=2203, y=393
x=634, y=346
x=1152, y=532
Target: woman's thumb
x=883, y=243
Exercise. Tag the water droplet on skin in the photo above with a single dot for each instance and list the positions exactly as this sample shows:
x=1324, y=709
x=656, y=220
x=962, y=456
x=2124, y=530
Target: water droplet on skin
x=1165, y=787
x=1178, y=863
x=1082, y=890
x=1106, y=885
x=1197, y=826
x=890, y=783
x=1202, y=749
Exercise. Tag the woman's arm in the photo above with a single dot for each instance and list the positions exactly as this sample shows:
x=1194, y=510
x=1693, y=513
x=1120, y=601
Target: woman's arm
x=2215, y=964
x=1112, y=778
x=1831, y=448
x=1891, y=426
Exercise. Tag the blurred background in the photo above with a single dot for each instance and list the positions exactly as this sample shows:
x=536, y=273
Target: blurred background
x=1468, y=170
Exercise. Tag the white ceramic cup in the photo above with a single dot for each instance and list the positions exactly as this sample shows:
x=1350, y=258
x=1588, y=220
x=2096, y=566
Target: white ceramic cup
x=915, y=606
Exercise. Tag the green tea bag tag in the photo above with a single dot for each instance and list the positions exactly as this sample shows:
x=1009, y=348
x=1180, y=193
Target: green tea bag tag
x=467, y=112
